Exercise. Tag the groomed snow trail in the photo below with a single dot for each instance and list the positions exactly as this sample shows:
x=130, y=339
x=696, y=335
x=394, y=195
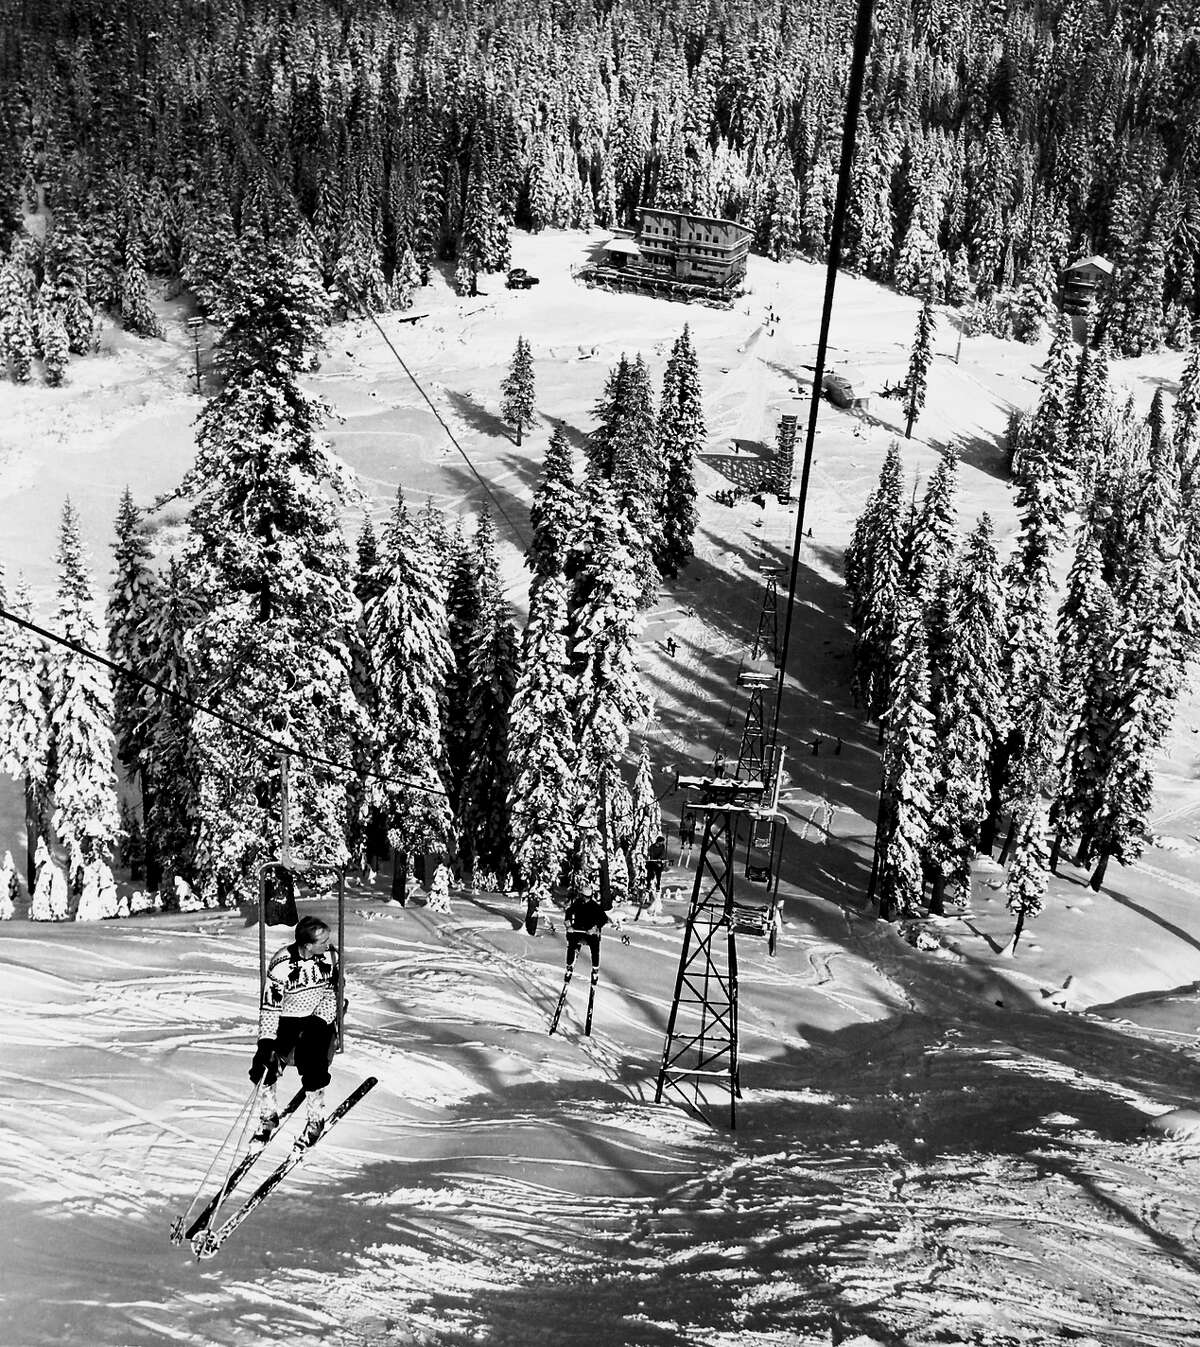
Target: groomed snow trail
x=913, y=1164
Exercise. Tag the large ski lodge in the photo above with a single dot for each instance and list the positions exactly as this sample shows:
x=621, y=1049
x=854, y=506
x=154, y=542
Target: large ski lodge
x=677, y=254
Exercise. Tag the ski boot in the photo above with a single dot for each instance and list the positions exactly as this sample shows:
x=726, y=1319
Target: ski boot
x=268, y=1125
x=315, y=1123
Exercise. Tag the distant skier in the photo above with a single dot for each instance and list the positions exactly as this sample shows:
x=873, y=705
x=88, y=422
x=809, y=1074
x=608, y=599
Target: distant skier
x=656, y=860
x=687, y=837
x=298, y=1018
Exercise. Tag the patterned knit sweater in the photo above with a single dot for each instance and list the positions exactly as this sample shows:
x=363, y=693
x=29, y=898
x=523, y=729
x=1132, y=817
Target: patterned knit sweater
x=297, y=988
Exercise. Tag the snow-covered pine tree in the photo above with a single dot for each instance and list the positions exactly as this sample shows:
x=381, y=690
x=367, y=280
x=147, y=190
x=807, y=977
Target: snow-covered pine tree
x=137, y=313
x=132, y=601
x=959, y=287
x=919, y=360
x=517, y=390
x=463, y=601
x=610, y=695
x=1021, y=768
x=408, y=637
x=271, y=567
x=624, y=450
x=439, y=889
x=1045, y=462
x=81, y=712
x=167, y=733
x=907, y=773
x=25, y=720
x=934, y=534
x=681, y=432
x=970, y=709
x=1185, y=421
x=1087, y=619
x=50, y=897
x=646, y=822
x=1027, y=876
x=541, y=743
x=554, y=513
x=9, y=887
x=483, y=807
x=98, y=898
x=483, y=240
x=877, y=590
x=55, y=343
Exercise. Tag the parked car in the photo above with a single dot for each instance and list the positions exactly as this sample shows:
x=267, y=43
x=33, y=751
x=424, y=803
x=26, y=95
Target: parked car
x=520, y=279
x=838, y=389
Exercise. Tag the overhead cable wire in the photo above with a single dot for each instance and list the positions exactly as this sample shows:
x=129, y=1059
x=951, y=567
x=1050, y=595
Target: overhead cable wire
x=223, y=716
x=286, y=192
x=858, y=65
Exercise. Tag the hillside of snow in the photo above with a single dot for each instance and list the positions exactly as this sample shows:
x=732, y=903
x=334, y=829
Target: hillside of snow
x=932, y=1146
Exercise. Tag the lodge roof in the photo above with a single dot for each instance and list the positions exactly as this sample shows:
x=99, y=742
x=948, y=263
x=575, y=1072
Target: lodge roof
x=1100, y=263
x=690, y=215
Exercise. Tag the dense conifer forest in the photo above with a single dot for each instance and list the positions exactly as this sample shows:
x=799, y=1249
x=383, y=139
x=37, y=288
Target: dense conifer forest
x=998, y=141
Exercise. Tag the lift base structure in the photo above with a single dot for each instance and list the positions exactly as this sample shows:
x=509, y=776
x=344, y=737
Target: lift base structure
x=700, y=1054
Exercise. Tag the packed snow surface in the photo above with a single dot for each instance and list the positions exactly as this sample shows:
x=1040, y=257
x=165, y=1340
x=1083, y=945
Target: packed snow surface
x=940, y=1146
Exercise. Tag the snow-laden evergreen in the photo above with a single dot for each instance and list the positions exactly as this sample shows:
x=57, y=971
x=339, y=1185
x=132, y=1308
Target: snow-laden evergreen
x=172, y=814
x=410, y=649
x=971, y=712
x=98, y=897
x=681, y=435
x=132, y=602
x=81, y=712
x=610, y=695
x=50, y=899
x=623, y=450
x=646, y=820
x=918, y=362
x=1045, y=462
x=9, y=887
x=541, y=744
x=1086, y=621
x=25, y=718
x=1027, y=875
x=484, y=826
x=873, y=577
x=439, y=889
x=463, y=603
x=517, y=390
x=907, y=773
x=271, y=567
x=930, y=543
x=554, y=513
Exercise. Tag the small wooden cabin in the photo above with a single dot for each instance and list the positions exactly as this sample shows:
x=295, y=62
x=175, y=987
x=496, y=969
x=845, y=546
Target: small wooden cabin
x=1082, y=281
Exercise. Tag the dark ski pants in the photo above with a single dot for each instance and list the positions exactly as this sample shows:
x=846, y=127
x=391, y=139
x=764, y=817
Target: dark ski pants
x=577, y=938
x=309, y=1043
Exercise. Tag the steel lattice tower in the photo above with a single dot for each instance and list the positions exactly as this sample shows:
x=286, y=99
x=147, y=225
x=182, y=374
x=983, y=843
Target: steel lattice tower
x=701, y=1046
x=759, y=676
x=766, y=638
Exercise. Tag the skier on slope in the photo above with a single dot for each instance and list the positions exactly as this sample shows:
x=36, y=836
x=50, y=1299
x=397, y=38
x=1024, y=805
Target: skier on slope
x=298, y=1016
x=586, y=917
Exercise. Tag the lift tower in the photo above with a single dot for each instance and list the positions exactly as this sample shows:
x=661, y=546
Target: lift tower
x=701, y=1049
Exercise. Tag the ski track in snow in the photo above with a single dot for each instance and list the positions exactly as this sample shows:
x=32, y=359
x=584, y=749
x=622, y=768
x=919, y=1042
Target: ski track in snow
x=906, y=1182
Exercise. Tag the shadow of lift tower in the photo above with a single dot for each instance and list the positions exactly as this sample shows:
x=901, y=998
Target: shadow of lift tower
x=741, y=813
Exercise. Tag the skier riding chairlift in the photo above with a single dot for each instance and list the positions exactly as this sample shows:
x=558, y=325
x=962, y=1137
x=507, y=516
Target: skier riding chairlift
x=298, y=1020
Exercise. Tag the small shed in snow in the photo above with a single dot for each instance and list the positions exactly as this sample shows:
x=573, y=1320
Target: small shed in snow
x=1082, y=280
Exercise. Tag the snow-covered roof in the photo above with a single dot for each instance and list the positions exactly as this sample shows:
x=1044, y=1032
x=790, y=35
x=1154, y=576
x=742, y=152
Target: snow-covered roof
x=623, y=246
x=1100, y=263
